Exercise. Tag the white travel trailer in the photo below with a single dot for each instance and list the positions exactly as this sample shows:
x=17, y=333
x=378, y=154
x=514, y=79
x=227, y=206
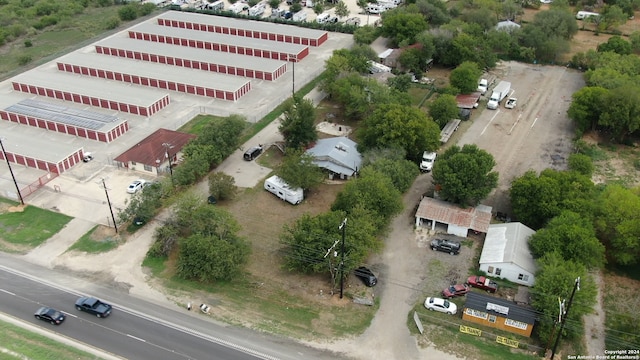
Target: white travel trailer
x=581, y=15
x=281, y=189
x=215, y=6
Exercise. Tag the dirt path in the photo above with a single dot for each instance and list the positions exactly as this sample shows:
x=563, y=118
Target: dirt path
x=401, y=284
x=594, y=323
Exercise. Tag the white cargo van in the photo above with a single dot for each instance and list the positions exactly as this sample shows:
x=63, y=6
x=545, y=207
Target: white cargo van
x=281, y=189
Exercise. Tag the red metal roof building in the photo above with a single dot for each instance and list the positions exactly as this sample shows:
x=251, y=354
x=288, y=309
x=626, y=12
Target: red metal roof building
x=252, y=29
x=458, y=220
x=152, y=154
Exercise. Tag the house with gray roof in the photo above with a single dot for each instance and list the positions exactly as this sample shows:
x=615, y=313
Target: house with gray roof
x=506, y=254
x=338, y=155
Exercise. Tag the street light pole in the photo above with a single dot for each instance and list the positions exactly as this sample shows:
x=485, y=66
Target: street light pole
x=293, y=78
x=115, y=226
x=4, y=153
x=342, y=227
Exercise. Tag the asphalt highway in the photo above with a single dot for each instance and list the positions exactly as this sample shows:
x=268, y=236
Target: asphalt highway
x=136, y=329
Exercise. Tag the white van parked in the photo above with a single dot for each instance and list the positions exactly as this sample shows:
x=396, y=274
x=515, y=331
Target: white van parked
x=581, y=15
x=281, y=189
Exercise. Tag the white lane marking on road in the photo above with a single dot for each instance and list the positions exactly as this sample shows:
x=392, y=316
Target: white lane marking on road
x=514, y=124
x=137, y=338
x=494, y=116
x=7, y=292
x=534, y=122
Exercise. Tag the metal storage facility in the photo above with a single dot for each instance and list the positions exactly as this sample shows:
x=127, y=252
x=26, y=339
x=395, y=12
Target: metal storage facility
x=252, y=29
x=156, y=75
x=45, y=115
x=219, y=42
x=225, y=63
x=85, y=90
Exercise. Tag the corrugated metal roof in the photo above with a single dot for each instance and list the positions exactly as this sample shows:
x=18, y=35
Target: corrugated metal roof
x=92, y=87
x=151, y=148
x=477, y=218
x=157, y=71
x=479, y=301
x=233, y=40
x=338, y=154
x=467, y=101
x=193, y=54
x=508, y=243
x=263, y=26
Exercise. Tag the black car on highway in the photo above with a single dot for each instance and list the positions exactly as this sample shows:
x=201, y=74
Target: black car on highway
x=50, y=315
x=93, y=306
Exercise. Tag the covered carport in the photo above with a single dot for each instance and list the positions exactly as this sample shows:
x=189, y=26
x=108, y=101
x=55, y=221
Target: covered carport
x=458, y=221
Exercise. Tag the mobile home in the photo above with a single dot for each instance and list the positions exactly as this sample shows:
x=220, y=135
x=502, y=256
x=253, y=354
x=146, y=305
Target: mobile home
x=281, y=189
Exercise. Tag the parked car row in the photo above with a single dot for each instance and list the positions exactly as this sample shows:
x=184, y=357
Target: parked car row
x=89, y=305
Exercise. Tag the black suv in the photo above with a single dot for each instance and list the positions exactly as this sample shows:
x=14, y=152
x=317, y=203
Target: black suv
x=253, y=153
x=366, y=275
x=444, y=245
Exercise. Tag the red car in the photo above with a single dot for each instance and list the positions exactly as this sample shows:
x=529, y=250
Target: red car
x=483, y=283
x=455, y=290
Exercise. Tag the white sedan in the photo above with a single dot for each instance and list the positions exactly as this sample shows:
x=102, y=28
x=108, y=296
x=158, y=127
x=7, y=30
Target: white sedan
x=441, y=305
x=135, y=186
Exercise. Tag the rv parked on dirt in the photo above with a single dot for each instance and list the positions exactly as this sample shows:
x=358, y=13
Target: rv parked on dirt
x=300, y=16
x=281, y=189
x=581, y=15
x=215, y=6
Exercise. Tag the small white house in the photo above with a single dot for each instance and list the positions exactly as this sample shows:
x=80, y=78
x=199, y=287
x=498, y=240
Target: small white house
x=506, y=254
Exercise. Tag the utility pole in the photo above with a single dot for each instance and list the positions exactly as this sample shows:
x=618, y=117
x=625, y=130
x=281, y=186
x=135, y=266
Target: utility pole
x=576, y=287
x=167, y=146
x=342, y=227
x=4, y=153
x=115, y=226
x=293, y=81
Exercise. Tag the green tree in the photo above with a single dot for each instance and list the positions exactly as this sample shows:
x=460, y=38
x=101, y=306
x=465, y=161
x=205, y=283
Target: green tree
x=210, y=248
x=402, y=27
x=537, y=199
x=465, y=77
x=556, y=279
x=222, y=186
x=443, y=109
x=297, y=127
x=299, y=170
x=394, y=125
x=373, y=192
x=128, y=12
x=274, y=4
x=308, y=240
x=573, y=237
x=465, y=175
x=616, y=44
x=143, y=205
x=617, y=225
x=586, y=107
x=582, y=164
x=341, y=10
x=613, y=16
x=365, y=35
x=318, y=8
x=622, y=113
x=635, y=41
x=401, y=82
x=392, y=163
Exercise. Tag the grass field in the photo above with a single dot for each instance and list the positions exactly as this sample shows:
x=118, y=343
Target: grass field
x=95, y=242
x=23, y=230
x=18, y=343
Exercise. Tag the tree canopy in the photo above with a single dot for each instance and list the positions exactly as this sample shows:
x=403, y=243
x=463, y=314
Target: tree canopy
x=444, y=109
x=299, y=170
x=465, y=175
x=298, y=126
x=573, y=237
x=465, y=77
x=617, y=225
x=397, y=126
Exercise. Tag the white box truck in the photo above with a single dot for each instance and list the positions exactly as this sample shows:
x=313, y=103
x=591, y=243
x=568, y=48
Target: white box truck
x=281, y=189
x=499, y=93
